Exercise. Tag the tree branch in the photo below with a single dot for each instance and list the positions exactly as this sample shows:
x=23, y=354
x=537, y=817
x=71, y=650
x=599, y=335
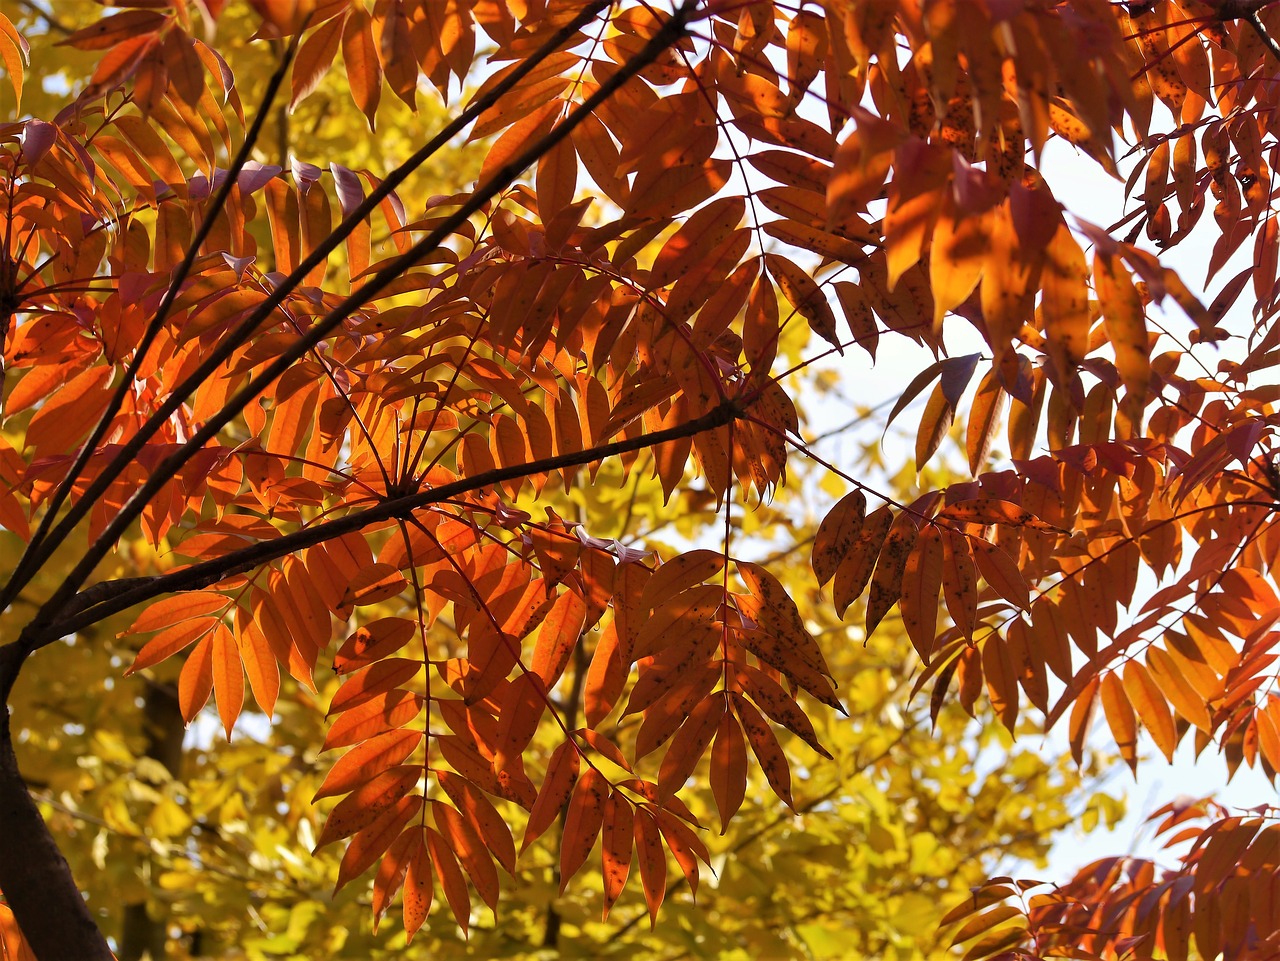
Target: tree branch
x=110, y=597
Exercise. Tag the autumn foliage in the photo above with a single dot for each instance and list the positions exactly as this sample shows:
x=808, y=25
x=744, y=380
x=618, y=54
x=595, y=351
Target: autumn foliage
x=268, y=423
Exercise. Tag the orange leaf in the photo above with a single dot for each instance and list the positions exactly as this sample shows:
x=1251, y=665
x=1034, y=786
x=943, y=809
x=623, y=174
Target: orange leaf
x=728, y=769
x=685, y=846
x=1001, y=571
x=935, y=421
x=1119, y=713
x=689, y=745
x=360, y=54
x=482, y=816
x=378, y=582
x=921, y=584
x=556, y=179
x=367, y=760
x=766, y=748
x=606, y=677
x=703, y=232
x=259, y=662
x=837, y=535
x=855, y=568
x=993, y=510
x=679, y=574
x=228, y=677
x=379, y=714
x=372, y=642
x=376, y=679
x=366, y=803
x=582, y=824
x=195, y=682
x=886, y=584
x=450, y=877
x=780, y=706
x=559, y=635
x=557, y=788
x=652, y=858
x=1151, y=707
x=391, y=872
x=616, y=847
x=805, y=296
x=315, y=56
x=170, y=642
x=1065, y=304
x=519, y=714
x=419, y=888
x=959, y=582
x=760, y=327
x=464, y=842
x=1125, y=323
x=371, y=843
x=176, y=609
x=984, y=417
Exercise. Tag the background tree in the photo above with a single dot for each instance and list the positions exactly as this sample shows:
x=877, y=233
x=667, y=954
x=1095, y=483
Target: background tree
x=231, y=424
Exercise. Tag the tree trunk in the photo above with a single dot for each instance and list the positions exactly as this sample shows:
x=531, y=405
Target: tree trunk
x=142, y=935
x=35, y=877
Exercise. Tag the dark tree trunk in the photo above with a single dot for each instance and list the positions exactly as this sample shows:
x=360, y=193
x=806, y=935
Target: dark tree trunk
x=36, y=878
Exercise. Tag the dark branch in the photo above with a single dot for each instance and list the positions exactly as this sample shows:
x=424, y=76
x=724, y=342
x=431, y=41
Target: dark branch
x=110, y=597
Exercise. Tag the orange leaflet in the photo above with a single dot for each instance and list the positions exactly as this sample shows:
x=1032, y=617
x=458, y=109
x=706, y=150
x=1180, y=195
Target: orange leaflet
x=728, y=769
x=366, y=803
x=381, y=713
x=1149, y=703
x=689, y=745
x=679, y=574
x=259, y=662
x=780, y=706
x=376, y=679
x=372, y=842
x=463, y=840
x=360, y=55
x=652, y=859
x=557, y=788
x=451, y=879
x=886, y=583
x=764, y=743
x=582, y=823
x=805, y=296
x=559, y=635
x=1125, y=322
x=170, y=641
x=195, y=682
x=419, y=888
x=372, y=642
x=1120, y=718
x=482, y=816
x=228, y=677
x=176, y=609
x=377, y=582
x=367, y=760
x=837, y=535
x=993, y=510
x=855, y=568
x=959, y=582
x=616, y=847
x=921, y=584
x=520, y=711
